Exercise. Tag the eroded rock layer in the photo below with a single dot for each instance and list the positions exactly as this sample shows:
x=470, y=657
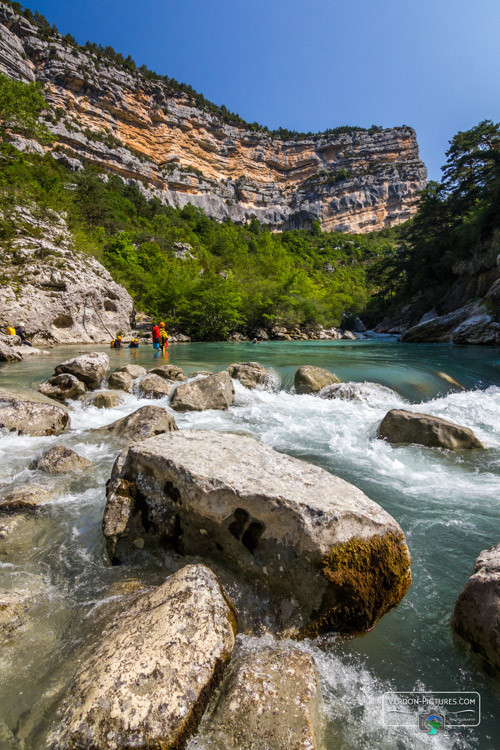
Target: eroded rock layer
x=356, y=181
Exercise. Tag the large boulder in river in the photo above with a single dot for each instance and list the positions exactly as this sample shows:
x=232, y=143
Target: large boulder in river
x=145, y=422
x=477, y=611
x=154, y=386
x=311, y=379
x=148, y=680
x=335, y=559
x=121, y=381
x=270, y=700
x=213, y=392
x=134, y=370
x=29, y=415
x=90, y=368
x=60, y=460
x=62, y=387
x=250, y=374
x=402, y=426
x=169, y=372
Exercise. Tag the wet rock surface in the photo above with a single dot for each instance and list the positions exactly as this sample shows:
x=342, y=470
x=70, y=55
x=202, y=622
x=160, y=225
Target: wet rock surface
x=134, y=370
x=355, y=391
x=335, y=559
x=169, y=372
x=155, y=386
x=121, y=381
x=476, y=617
x=90, y=368
x=13, y=606
x=104, y=399
x=147, y=681
x=250, y=374
x=62, y=387
x=211, y=392
x=144, y=423
x=25, y=498
x=60, y=460
x=269, y=700
x=31, y=417
x=9, y=354
x=310, y=379
x=402, y=426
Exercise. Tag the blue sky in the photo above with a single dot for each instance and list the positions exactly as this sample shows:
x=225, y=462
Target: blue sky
x=431, y=64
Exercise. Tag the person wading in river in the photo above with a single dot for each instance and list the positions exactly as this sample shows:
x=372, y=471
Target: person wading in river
x=163, y=337
x=155, y=334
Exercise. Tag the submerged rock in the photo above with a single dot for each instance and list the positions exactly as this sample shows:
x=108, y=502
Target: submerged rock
x=356, y=391
x=29, y=497
x=62, y=387
x=477, y=611
x=336, y=560
x=310, y=379
x=402, y=426
x=122, y=381
x=155, y=386
x=90, y=368
x=213, y=392
x=144, y=423
x=149, y=678
x=250, y=374
x=169, y=372
x=13, y=606
x=269, y=700
x=104, y=399
x=30, y=415
x=60, y=460
x=134, y=370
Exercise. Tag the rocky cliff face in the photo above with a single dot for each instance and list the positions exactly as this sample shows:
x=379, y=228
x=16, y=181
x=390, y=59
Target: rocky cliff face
x=468, y=312
x=60, y=295
x=355, y=182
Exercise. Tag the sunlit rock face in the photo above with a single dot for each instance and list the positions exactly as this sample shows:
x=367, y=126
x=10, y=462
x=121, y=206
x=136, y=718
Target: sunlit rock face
x=355, y=182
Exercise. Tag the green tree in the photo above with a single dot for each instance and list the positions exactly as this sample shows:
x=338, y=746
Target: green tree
x=20, y=107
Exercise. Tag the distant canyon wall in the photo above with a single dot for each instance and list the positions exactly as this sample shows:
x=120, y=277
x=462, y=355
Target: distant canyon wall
x=131, y=126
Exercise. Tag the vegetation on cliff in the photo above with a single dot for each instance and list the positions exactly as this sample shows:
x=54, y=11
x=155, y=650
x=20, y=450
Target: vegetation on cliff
x=458, y=219
x=202, y=277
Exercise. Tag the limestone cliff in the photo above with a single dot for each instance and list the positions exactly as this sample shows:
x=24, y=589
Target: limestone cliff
x=356, y=181
x=61, y=295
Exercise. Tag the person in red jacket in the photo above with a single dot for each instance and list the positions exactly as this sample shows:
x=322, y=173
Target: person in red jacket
x=155, y=333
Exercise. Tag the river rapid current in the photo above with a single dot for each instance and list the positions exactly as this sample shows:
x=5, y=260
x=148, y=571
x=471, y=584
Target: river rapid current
x=448, y=505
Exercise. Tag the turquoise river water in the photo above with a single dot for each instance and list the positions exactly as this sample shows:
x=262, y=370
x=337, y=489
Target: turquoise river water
x=448, y=505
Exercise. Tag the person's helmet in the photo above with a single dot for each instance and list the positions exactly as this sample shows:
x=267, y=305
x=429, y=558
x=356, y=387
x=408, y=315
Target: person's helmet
x=162, y=325
x=119, y=338
x=20, y=325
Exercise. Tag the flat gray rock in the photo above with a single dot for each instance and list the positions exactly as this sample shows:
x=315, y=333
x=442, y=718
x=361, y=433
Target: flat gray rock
x=169, y=372
x=134, y=370
x=148, y=680
x=402, y=426
x=155, y=386
x=145, y=422
x=62, y=387
x=270, y=700
x=29, y=415
x=213, y=392
x=334, y=558
x=90, y=368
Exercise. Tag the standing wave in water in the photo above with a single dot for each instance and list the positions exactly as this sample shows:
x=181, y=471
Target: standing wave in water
x=447, y=504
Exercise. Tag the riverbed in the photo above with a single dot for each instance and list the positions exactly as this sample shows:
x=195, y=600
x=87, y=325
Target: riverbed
x=448, y=505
